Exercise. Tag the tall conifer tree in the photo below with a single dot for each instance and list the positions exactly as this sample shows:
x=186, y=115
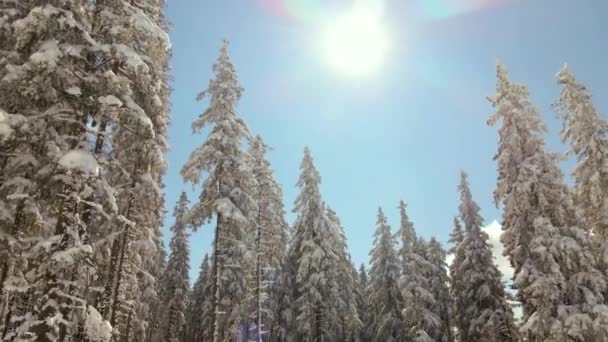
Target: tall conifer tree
x=438, y=286
x=199, y=318
x=585, y=129
x=270, y=242
x=175, y=282
x=313, y=260
x=384, y=297
x=482, y=310
x=226, y=194
x=348, y=317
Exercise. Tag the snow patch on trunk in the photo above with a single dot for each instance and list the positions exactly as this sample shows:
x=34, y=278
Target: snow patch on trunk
x=5, y=129
x=96, y=328
x=80, y=160
x=110, y=100
x=49, y=53
x=74, y=91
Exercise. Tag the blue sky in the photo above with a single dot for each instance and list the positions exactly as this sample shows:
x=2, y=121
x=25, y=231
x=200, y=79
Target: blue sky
x=401, y=132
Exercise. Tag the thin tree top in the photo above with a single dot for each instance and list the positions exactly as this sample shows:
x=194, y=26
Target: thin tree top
x=582, y=123
x=180, y=212
x=308, y=182
x=469, y=210
x=511, y=101
x=225, y=92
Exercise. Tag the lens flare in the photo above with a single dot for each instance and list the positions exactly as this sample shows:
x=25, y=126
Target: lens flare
x=310, y=11
x=440, y=9
x=298, y=10
x=274, y=7
x=304, y=10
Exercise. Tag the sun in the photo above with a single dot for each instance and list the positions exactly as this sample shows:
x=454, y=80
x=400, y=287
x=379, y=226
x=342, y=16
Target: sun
x=356, y=43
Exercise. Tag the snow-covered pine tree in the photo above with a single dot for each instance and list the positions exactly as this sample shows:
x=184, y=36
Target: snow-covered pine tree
x=553, y=258
x=349, y=322
x=418, y=305
x=521, y=133
x=361, y=298
x=50, y=82
x=283, y=323
x=438, y=286
x=270, y=247
x=133, y=60
x=21, y=211
x=426, y=318
x=481, y=308
x=586, y=130
x=313, y=260
x=406, y=234
x=456, y=237
x=152, y=93
x=421, y=320
x=520, y=141
x=199, y=319
x=175, y=282
x=61, y=278
x=60, y=43
x=156, y=312
x=384, y=298
x=20, y=219
x=227, y=193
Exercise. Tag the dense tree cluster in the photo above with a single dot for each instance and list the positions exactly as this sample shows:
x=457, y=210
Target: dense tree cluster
x=302, y=285
x=84, y=111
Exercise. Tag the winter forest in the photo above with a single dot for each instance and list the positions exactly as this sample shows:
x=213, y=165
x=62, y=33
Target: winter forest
x=85, y=107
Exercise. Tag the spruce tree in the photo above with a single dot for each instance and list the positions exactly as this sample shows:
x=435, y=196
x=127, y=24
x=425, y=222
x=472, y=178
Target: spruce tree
x=438, y=286
x=48, y=80
x=421, y=320
x=384, y=297
x=586, y=130
x=348, y=317
x=313, y=260
x=425, y=318
x=456, y=235
x=133, y=61
x=520, y=151
x=456, y=238
x=482, y=310
x=283, y=328
x=20, y=141
x=226, y=194
x=270, y=241
x=176, y=284
x=199, y=318
x=363, y=305
x=73, y=70
x=407, y=234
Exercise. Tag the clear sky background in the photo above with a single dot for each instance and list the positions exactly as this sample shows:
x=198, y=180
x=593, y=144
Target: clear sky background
x=402, y=132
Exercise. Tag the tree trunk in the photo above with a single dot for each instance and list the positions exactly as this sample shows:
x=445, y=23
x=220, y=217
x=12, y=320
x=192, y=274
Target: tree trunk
x=119, y=272
x=216, y=281
x=7, y=268
x=110, y=295
x=258, y=239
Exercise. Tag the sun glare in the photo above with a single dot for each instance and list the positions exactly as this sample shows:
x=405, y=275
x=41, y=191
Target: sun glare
x=356, y=43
